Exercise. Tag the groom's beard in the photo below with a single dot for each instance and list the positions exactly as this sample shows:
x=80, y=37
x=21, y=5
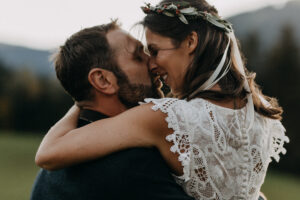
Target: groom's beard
x=131, y=94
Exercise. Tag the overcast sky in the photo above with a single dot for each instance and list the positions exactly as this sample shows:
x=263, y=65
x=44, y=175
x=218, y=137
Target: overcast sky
x=45, y=24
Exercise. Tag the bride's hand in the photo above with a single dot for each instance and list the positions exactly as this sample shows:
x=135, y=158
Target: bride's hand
x=69, y=121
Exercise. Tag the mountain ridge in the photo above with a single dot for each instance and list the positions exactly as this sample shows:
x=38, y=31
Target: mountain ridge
x=266, y=23
x=19, y=57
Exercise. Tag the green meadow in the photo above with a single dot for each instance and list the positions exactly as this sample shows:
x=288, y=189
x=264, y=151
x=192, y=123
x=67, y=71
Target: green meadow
x=17, y=168
x=18, y=171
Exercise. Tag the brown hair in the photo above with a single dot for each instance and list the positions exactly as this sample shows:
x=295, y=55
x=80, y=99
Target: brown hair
x=212, y=43
x=83, y=51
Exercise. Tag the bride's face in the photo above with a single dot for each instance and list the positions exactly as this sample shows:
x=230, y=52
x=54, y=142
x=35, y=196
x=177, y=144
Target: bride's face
x=168, y=61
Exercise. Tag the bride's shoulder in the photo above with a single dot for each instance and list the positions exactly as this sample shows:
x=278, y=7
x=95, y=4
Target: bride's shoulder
x=167, y=100
x=174, y=107
x=165, y=104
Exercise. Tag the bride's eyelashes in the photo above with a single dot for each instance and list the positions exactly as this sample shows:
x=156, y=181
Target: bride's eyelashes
x=153, y=51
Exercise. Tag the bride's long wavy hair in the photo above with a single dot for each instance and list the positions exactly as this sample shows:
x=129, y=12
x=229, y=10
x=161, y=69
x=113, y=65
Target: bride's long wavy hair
x=212, y=43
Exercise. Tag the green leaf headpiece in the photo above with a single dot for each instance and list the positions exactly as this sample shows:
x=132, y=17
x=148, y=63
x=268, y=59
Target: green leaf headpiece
x=184, y=11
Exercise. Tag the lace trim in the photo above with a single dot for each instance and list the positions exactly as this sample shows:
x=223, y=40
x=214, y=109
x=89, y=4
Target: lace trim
x=181, y=141
x=221, y=159
x=220, y=144
x=277, y=133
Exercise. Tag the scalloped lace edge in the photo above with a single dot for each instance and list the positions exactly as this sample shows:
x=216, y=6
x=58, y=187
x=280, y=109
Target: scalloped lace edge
x=278, y=132
x=183, y=158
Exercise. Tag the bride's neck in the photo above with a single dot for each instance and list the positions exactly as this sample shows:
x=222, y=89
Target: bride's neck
x=232, y=103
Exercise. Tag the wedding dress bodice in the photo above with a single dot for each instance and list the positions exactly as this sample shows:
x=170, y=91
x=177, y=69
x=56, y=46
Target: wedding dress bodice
x=220, y=159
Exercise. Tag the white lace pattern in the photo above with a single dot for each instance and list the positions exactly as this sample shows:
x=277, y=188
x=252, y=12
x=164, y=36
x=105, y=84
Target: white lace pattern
x=220, y=159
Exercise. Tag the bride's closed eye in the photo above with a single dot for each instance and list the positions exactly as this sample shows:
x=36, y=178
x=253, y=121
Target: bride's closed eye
x=150, y=51
x=153, y=51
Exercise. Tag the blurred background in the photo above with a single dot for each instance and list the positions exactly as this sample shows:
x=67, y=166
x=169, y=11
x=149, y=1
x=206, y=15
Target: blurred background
x=31, y=99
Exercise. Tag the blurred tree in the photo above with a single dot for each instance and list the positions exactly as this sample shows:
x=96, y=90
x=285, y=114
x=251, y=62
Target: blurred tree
x=29, y=102
x=251, y=50
x=4, y=73
x=282, y=80
x=5, y=105
x=38, y=102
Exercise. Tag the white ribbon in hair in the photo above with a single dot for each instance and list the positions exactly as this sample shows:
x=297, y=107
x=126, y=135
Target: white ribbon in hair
x=213, y=78
x=237, y=60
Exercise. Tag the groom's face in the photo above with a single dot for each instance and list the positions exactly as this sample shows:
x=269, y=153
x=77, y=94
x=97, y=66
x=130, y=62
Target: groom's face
x=133, y=62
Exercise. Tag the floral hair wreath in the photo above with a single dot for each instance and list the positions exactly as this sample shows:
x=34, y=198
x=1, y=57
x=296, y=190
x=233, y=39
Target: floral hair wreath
x=183, y=10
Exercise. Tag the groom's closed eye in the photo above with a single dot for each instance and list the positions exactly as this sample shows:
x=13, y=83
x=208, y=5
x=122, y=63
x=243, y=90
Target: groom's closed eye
x=138, y=53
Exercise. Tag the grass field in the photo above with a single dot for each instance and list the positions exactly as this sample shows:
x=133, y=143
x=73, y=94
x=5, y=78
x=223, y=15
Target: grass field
x=18, y=171
x=17, y=168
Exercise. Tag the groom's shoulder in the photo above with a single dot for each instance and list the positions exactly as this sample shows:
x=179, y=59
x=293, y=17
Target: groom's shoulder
x=115, y=170
x=129, y=160
x=119, y=165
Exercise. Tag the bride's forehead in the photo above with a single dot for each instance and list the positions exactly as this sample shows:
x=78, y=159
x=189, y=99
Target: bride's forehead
x=153, y=38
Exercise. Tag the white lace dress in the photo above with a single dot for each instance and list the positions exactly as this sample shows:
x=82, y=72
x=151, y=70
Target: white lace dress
x=220, y=160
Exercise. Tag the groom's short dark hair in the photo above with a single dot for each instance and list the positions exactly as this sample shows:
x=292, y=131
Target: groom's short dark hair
x=83, y=51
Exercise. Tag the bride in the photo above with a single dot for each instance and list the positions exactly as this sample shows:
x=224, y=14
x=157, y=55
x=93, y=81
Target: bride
x=220, y=132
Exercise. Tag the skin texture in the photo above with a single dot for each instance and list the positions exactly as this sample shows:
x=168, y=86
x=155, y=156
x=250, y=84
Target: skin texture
x=170, y=60
x=130, y=56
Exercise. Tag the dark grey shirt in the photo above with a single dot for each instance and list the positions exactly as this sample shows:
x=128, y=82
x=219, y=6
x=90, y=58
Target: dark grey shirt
x=133, y=174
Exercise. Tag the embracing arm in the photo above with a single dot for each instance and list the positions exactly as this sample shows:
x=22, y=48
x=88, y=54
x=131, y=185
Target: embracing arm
x=138, y=127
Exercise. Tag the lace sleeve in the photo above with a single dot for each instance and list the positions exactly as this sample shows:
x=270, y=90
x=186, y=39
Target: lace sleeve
x=277, y=140
x=179, y=115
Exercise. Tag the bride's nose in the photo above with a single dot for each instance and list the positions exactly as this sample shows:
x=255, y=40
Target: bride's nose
x=152, y=66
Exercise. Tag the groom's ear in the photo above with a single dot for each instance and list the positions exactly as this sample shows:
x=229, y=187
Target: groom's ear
x=103, y=81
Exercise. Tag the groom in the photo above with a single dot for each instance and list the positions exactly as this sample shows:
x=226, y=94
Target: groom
x=105, y=71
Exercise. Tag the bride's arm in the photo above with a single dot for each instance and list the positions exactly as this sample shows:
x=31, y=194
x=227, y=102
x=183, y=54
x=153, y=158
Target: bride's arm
x=138, y=127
